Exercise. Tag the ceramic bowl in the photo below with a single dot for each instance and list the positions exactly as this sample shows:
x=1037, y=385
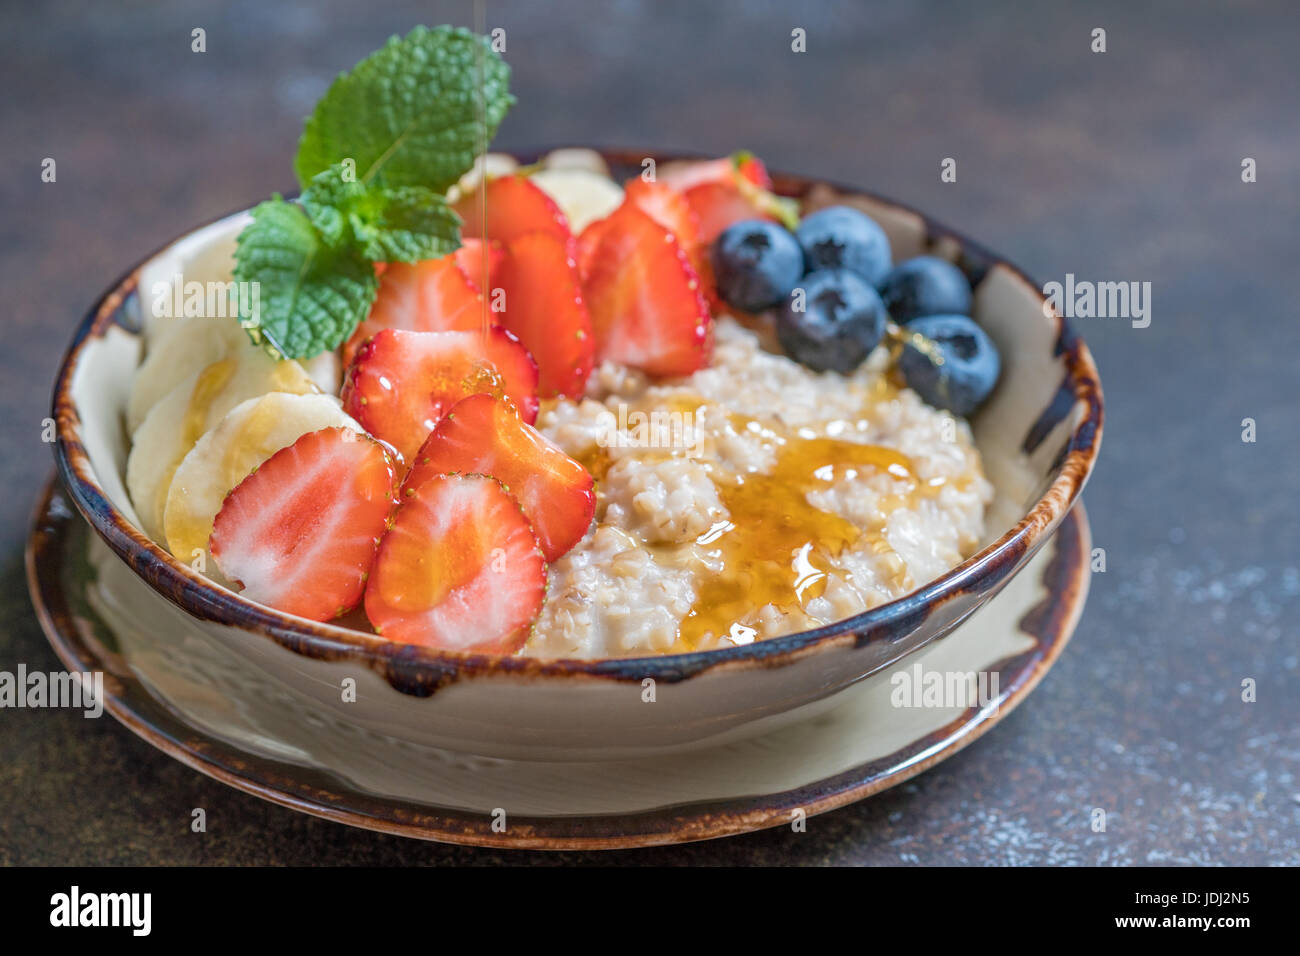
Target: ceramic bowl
x=1039, y=436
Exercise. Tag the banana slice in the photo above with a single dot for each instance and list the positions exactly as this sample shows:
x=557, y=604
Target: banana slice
x=249, y=434
x=191, y=409
x=492, y=164
x=325, y=370
x=576, y=157
x=205, y=256
x=182, y=348
x=583, y=196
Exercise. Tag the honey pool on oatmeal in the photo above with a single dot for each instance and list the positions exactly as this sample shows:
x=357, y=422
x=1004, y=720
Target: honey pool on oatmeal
x=751, y=499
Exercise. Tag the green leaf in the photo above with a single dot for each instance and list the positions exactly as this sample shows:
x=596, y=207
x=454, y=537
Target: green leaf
x=310, y=294
x=414, y=113
x=398, y=224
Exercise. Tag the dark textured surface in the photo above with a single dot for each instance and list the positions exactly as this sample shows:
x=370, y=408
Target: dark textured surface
x=1115, y=166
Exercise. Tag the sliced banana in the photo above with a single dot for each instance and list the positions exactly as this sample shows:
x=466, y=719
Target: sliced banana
x=186, y=413
x=181, y=349
x=576, y=157
x=206, y=256
x=249, y=434
x=325, y=370
x=490, y=164
x=583, y=196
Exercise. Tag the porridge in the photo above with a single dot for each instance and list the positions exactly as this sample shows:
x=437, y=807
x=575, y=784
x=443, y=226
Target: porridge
x=777, y=499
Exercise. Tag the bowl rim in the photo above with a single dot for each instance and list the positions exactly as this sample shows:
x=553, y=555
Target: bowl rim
x=420, y=670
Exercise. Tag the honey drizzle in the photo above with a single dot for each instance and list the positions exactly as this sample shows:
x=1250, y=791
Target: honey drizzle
x=778, y=548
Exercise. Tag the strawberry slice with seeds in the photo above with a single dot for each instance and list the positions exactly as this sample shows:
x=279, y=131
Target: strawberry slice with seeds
x=666, y=206
x=401, y=383
x=722, y=203
x=435, y=295
x=460, y=569
x=669, y=208
x=484, y=435
x=644, y=298
x=480, y=260
x=514, y=205
x=542, y=293
x=299, y=533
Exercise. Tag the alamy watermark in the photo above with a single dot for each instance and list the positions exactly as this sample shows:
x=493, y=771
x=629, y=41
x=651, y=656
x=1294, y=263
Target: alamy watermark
x=918, y=688
x=176, y=298
x=78, y=690
x=1083, y=299
x=674, y=430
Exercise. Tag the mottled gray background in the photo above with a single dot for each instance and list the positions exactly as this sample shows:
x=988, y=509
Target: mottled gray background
x=1118, y=166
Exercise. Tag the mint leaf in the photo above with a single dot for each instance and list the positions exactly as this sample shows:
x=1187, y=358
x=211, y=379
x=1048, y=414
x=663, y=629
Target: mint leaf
x=310, y=294
x=413, y=113
x=397, y=224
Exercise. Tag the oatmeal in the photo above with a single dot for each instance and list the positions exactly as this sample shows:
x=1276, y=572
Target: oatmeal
x=750, y=499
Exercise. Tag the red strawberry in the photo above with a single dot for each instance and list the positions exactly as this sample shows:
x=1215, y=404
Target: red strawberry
x=544, y=307
x=480, y=260
x=682, y=175
x=435, y=295
x=299, y=533
x=485, y=436
x=666, y=206
x=514, y=205
x=643, y=296
x=401, y=383
x=722, y=203
x=459, y=570
x=670, y=209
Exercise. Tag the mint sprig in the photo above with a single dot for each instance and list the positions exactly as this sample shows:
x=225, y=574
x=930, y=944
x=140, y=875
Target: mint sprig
x=311, y=294
x=397, y=224
x=375, y=161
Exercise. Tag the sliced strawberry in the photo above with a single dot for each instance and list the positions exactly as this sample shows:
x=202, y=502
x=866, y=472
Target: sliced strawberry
x=683, y=174
x=670, y=209
x=436, y=295
x=720, y=204
x=459, y=570
x=485, y=436
x=666, y=206
x=401, y=382
x=542, y=292
x=514, y=205
x=643, y=296
x=480, y=260
x=299, y=533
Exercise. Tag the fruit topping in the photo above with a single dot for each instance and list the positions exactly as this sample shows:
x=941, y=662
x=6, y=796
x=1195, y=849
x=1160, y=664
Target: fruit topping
x=459, y=570
x=513, y=205
x=841, y=237
x=299, y=533
x=831, y=321
x=435, y=295
x=484, y=435
x=949, y=361
x=644, y=298
x=925, y=285
x=582, y=195
x=755, y=264
x=542, y=294
x=401, y=383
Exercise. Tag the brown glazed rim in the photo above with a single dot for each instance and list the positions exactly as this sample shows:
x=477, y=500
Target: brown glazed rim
x=421, y=671
x=1050, y=623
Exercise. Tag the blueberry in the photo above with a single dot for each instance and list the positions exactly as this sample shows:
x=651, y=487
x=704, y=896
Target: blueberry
x=923, y=286
x=964, y=370
x=831, y=321
x=756, y=264
x=841, y=237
